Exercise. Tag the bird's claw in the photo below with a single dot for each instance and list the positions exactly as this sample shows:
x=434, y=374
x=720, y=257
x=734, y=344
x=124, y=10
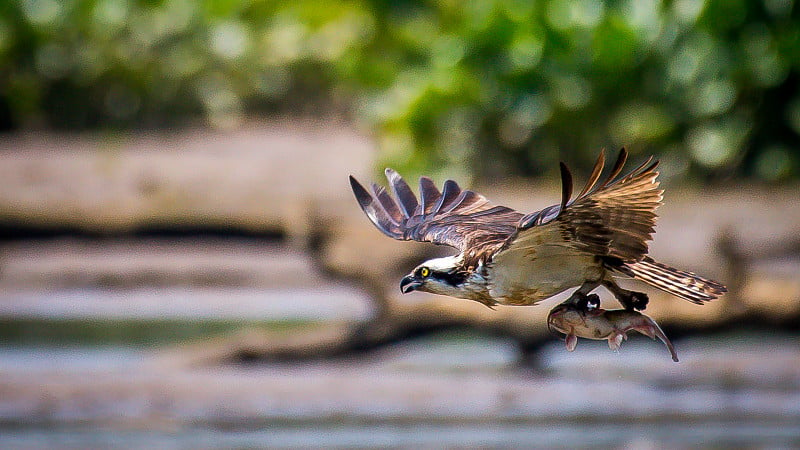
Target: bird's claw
x=583, y=302
x=638, y=301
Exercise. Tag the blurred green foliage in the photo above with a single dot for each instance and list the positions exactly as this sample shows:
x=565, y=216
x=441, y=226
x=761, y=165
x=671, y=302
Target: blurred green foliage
x=495, y=87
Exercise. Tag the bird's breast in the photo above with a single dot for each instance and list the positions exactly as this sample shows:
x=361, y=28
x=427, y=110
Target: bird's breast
x=524, y=277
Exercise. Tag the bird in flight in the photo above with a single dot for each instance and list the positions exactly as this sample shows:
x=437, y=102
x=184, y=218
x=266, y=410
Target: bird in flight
x=509, y=258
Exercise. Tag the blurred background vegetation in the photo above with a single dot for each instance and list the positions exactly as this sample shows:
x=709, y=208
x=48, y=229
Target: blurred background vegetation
x=490, y=88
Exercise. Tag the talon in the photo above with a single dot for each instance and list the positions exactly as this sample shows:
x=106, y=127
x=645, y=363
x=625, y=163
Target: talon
x=583, y=302
x=634, y=301
x=638, y=301
x=577, y=299
x=630, y=300
x=592, y=301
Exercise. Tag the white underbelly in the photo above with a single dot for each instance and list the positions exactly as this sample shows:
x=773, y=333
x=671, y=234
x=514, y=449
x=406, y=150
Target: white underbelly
x=523, y=278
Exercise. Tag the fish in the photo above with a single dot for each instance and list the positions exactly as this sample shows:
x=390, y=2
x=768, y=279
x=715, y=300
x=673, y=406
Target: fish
x=588, y=320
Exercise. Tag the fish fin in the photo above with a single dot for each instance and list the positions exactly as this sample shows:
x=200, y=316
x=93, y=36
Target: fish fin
x=646, y=330
x=572, y=341
x=615, y=340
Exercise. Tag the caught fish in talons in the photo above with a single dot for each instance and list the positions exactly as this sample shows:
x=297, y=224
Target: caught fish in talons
x=584, y=318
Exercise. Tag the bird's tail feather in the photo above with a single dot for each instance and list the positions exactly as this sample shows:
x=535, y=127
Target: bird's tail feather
x=683, y=284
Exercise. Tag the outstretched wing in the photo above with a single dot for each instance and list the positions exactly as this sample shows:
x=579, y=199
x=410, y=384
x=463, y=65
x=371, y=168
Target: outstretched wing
x=614, y=218
x=459, y=218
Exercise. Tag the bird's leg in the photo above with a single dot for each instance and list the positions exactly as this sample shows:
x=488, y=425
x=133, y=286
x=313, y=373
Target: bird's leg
x=582, y=299
x=631, y=300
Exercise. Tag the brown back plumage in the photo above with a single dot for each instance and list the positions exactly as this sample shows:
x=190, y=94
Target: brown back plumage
x=614, y=218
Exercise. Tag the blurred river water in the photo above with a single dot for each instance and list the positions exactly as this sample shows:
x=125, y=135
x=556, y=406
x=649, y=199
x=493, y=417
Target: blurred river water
x=104, y=367
x=455, y=389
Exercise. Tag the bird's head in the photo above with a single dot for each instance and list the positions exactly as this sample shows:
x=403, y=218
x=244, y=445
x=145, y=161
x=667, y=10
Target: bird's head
x=438, y=276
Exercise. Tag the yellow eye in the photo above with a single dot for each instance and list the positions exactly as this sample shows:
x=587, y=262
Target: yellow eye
x=424, y=272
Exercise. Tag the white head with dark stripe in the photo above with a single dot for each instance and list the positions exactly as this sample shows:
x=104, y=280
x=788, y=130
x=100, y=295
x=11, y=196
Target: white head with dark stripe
x=443, y=276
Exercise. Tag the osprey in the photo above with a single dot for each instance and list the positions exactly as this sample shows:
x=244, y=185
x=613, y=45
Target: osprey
x=509, y=258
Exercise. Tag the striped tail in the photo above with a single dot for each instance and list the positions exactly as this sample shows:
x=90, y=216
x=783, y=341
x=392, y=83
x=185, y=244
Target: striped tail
x=683, y=284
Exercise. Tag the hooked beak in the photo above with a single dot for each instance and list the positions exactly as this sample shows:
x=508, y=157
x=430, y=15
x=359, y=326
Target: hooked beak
x=409, y=283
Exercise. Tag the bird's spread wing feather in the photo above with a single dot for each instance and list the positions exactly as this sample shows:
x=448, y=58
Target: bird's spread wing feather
x=459, y=218
x=614, y=218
